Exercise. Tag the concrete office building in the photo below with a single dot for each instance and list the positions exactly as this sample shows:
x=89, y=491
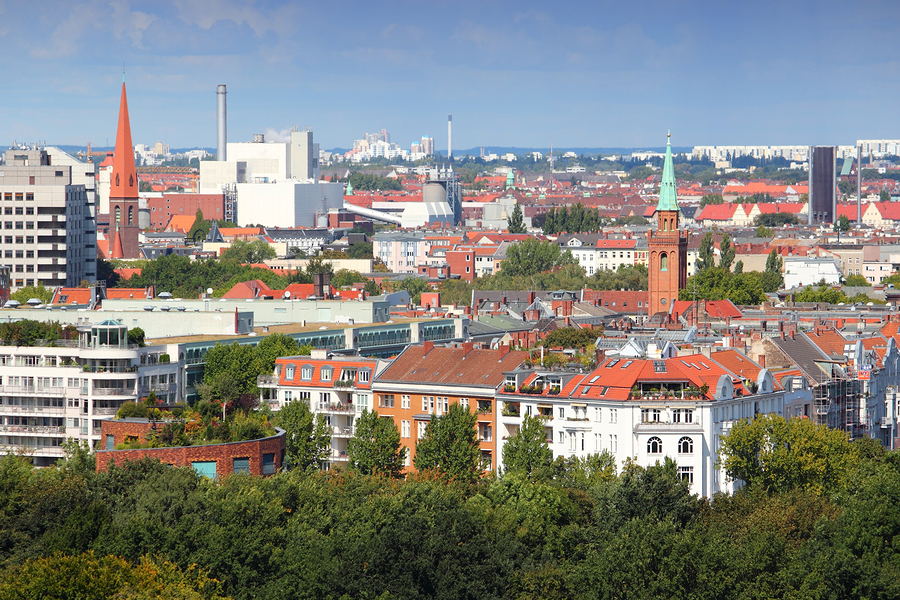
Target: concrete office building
x=49, y=235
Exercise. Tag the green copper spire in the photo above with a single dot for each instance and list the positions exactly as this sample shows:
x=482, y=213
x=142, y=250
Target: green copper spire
x=667, y=194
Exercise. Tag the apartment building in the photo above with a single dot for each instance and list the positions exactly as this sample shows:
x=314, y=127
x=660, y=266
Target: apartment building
x=425, y=380
x=337, y=387
x=49, y=235
x=51, y=393
x=646, y=410
x=594, y=252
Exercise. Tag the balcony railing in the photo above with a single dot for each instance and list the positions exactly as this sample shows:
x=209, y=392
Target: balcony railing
x=343, y=431
x=344, y=383
x=336, y=407
x=32, y=429
x=266, y=380
x=113, y=391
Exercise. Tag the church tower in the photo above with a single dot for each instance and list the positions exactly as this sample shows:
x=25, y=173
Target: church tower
x=124, y=186
x=667, y=245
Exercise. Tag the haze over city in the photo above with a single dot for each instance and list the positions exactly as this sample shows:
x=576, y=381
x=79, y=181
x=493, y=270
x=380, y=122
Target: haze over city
x=599, y=74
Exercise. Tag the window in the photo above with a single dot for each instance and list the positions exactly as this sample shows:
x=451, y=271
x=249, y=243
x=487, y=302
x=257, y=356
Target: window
x=241, y=465
x=205, y=468
x=598, y=414
x=613, y=415
x=685, y=446
x=562, y=413
x=289, y=372
x=422, y=426
x=663, y=262
x=654, y=446
x=424, y=403
x=306, y=372
x=325, y=373
x=686, y=474
x=404, y=429
x=562, y=437
x=650, y=415
x=613, y=443
x=464, y=402
x=404, y=402
x=387, y=401
x=364, y=376
x=268, y=464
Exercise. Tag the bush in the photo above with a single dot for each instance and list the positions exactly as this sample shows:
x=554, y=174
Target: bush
x=136, y=410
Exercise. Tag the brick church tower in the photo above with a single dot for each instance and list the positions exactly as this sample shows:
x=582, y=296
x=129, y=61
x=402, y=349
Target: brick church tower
x=667, y=245
x=123, y=194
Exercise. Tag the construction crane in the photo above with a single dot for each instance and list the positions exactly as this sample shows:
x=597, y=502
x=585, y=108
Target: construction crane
x=91, y=154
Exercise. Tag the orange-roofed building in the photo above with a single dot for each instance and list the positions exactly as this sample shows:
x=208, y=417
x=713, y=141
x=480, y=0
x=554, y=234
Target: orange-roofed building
x=181, y=223
x=127, y=273
x=647, y=410
x=425, y=380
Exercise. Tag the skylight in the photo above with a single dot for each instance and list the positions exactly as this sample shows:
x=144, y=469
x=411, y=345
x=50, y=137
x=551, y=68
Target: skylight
x=659, y=366
x=612, y=363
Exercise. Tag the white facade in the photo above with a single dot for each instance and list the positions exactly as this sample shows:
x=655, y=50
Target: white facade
x=51, y=394
x=804, y=271
x=401, y=251
x=648, y=431
x=49, y=234
x=287, y=203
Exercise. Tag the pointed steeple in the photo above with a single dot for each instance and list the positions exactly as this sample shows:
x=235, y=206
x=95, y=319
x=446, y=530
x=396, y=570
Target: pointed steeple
x=123, y=179
x=116, y=250
x=667, y=193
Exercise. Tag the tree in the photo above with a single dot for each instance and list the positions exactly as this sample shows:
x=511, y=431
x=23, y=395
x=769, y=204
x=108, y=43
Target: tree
x=711, y=199
x=527, y=451
x=136, y=336
x=375, y=447
x=372, y=288
x=884, y=196
x=842, y=224
x=727, y=252
x=778, y=454
x=856, y=281
x=243, y=251
x=774, y=266
x=570, y=337
x=822, y=294
x=764, y=232
x=739, y=267
x=199, y=229
x=361, y=250
x=414, y=286
x=531, y=256
x=307, y=436
x=705, y=257
x=516, y=222
x=345, y=278
x=45, y=295
x=449, y=445
x=778, y=219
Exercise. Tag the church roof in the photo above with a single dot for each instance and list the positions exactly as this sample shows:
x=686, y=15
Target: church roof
x=667, y=193
x=123, y=179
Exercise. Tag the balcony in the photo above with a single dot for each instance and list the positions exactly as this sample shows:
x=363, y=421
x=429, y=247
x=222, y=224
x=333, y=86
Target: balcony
x=267, y=381
x=105, y=411
x=166, y=388
x=31, y=389
x=113, y=392
x=336, y=407
x=343, y=432
x=344, y=384
x=31, y=429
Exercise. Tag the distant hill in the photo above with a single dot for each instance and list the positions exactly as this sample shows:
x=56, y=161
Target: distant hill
x=556, y=151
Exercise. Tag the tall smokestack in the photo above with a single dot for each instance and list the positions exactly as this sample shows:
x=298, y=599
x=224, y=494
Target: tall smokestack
x=858, y=186
x=221, y=121
x=449, y=136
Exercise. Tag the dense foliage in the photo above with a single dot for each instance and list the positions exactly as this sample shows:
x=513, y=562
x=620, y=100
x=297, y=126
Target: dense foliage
x=28, y=332
x=572, y=528
x=371, y=181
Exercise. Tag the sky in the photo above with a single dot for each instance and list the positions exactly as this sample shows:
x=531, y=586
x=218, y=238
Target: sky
x=522, y=74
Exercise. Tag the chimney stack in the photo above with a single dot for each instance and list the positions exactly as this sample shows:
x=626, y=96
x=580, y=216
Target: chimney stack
x=762, y=360
x=221, y=120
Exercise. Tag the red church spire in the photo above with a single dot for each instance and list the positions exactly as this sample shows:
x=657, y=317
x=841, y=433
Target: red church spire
x=123, y=179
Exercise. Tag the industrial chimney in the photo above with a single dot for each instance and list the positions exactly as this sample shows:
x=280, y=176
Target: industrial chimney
x=221, y=120
x=449, y=136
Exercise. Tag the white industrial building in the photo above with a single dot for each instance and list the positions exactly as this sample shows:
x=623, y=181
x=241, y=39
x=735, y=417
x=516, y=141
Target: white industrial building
x=275, y=183
x=801, y=271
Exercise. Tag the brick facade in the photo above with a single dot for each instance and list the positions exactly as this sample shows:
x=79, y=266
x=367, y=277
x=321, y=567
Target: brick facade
x=223, y=455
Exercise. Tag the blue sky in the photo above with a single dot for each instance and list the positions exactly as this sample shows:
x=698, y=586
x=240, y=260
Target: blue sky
x=579, y=74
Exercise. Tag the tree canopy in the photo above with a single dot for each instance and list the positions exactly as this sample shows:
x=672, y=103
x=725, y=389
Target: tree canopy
x=307, y=436
x=375, y=448
x=449, y=446
x=516, y=222
x=532, y=256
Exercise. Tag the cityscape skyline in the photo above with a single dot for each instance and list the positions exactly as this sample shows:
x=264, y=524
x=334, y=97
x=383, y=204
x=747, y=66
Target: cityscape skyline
x=590, y=76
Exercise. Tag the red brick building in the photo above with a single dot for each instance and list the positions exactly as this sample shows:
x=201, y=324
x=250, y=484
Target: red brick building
x=172, y=205
x=667, y=245
x=255, y=457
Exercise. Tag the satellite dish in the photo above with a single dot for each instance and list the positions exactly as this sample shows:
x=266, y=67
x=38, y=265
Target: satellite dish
x=287, y=295
x=209, y=290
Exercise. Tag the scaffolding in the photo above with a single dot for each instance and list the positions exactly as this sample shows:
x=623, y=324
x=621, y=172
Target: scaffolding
x=230, y=192
x=840, y=404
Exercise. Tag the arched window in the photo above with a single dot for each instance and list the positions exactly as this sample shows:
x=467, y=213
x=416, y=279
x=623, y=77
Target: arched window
x=663, y=262
x=117, y=179
x=118, y=214
x=131, y=181
x=685, y=446
x=654, y=446
x=131, y=215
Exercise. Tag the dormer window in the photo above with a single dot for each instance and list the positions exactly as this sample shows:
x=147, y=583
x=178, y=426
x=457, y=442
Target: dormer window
x=306, y=372
x=326, y=373
x=289, y=372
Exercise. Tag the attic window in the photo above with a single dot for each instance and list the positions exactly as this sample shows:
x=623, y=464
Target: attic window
x=594, y=378
x=612, y=363
x=604, y=390
x=659, y=366
x=585, y=390
x=627, y=364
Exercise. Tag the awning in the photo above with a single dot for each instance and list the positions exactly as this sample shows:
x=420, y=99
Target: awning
x=578, y=404
x=545, y=406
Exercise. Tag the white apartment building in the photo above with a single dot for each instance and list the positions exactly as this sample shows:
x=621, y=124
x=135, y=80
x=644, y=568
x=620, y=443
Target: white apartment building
x=595, y=253
x=49, y=394
x=648, y=425
x=338, y=388
x=49, y=234
x=401, y=251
